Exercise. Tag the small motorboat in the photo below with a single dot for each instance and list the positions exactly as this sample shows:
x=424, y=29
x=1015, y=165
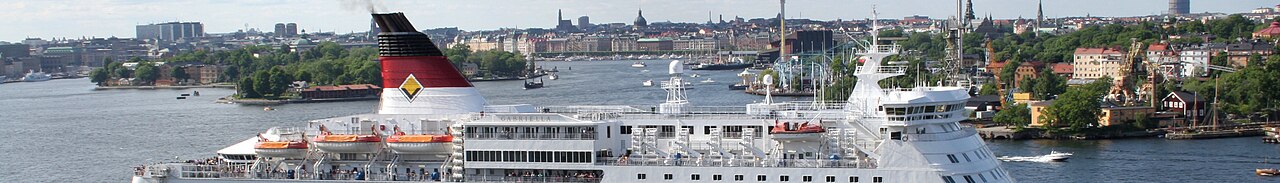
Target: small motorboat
x=553, y=76
x=638, y=65
x=180, y=98
x=648, y=83
x=530, y=84
x=1267, y=171
x=268, y=108
x=694, y=75
x=708, y=81
x=1053, y=156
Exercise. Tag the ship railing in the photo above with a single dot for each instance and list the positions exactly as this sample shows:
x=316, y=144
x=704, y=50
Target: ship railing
x=486, y=178
x=213, y=171
x=732, y=162
x=965, y=132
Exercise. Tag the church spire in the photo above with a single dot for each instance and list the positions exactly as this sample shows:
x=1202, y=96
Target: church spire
x=1040, y=14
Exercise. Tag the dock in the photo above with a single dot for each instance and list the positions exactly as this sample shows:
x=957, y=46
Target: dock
x=1209, y=132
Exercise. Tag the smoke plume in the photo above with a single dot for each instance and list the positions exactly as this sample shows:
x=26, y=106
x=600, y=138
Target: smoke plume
x=372, y=6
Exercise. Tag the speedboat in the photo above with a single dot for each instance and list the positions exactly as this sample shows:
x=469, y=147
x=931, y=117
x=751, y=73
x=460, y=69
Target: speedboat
x=638, y=65
x=648, y=83
x=708, y=81
x=1056, y=156
x=532, y=84
x=553, y=76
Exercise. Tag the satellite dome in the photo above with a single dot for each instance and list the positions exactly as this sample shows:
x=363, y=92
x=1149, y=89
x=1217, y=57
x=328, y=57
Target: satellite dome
x=675, y=67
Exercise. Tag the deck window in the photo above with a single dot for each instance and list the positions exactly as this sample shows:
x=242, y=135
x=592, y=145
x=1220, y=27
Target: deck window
x=877, y=179
x=784, y=178
x=831, y=178
x=853, y=178
x=948, y=179
x=968, y=179
x=806, y=178
x=695, y=177
x=668, y=176
x=640, y=176
x=715, y=177
x=737, y=177
x=762, y=178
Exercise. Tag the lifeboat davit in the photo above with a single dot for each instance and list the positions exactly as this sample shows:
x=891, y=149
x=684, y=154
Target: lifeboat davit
x=401, y=143
x=792, y=131
x=347, y=143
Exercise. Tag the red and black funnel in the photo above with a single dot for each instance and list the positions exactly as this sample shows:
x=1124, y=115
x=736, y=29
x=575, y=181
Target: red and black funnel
x=404, y=51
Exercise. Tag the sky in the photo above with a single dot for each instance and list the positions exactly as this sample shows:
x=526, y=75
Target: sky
x=105, y=18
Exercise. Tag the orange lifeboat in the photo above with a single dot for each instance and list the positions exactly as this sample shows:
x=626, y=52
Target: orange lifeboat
x=784, y=128
x=280, y=148
x=796, y=132
x=347, y=143
x=401, y=143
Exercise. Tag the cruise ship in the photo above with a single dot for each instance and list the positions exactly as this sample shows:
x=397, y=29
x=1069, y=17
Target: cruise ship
x=432, y=125
x=36, y=76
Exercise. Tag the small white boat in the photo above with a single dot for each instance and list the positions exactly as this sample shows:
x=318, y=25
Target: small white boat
x=1053, y=156
x=553, y=76
x=708, y=81
x=36, y=76
x=638, y=65
x=648, y=83
x=694, y=75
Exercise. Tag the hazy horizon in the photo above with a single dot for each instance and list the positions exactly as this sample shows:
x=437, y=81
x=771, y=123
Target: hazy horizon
x=107, y=18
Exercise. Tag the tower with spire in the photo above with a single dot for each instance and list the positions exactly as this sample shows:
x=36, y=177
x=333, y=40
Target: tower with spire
x=561, y=23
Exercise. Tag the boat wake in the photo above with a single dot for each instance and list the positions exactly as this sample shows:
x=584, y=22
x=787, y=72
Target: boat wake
x=1051, y=157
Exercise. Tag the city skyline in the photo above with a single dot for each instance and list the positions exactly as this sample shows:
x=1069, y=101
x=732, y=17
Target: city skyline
x=107, y=18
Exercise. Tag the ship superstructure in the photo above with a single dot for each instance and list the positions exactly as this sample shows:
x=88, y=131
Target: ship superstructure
x=432, y=125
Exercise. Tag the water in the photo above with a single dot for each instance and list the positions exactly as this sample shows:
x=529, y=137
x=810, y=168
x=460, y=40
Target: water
x=63, y=131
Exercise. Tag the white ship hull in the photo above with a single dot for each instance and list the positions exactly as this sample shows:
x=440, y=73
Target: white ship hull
x=420, y=147
x=349, y=147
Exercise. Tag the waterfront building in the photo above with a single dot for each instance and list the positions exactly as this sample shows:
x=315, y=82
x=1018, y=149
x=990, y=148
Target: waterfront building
x=339, y=91
x=1187, y=104
x=1038, y=110
x=1116, y=115
x=1238, y=53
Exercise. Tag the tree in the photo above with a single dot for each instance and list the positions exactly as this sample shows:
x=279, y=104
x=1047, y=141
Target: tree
x=179, y=74
x=1048, y=85
x=262, y=83
x=246, y=90
x=1079, y=107
x=99, y=76
x=988, y=89
x=147, y=72
x=1018, y=116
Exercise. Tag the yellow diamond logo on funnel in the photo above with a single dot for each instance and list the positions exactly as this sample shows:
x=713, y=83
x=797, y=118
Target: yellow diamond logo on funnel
x=411, y=87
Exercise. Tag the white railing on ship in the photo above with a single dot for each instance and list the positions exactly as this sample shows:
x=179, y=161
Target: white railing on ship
x=727, y=162
x=485, y=178
x=884, y=69
x=965, y=132
x=888, y=48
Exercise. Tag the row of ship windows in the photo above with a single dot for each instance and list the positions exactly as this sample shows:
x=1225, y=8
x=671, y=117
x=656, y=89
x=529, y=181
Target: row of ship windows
x=980, y=153
x=761, y=178
x=668, y=131
x=996, y=174
x=921, y=109
x=919, y=117
x=529, y=156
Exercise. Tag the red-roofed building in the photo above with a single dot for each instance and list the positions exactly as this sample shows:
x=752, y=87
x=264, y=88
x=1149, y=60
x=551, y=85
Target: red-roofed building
x=1270, y=32
x=340, y=91
x=1063, y=70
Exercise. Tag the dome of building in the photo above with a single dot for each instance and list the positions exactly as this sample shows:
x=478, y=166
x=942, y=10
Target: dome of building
x=1269, y=32
x=640, y=19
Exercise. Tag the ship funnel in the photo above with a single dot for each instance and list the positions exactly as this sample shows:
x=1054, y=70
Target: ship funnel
x=417, y=78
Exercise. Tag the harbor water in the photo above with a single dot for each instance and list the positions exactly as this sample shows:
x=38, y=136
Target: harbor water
x=64, y=131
